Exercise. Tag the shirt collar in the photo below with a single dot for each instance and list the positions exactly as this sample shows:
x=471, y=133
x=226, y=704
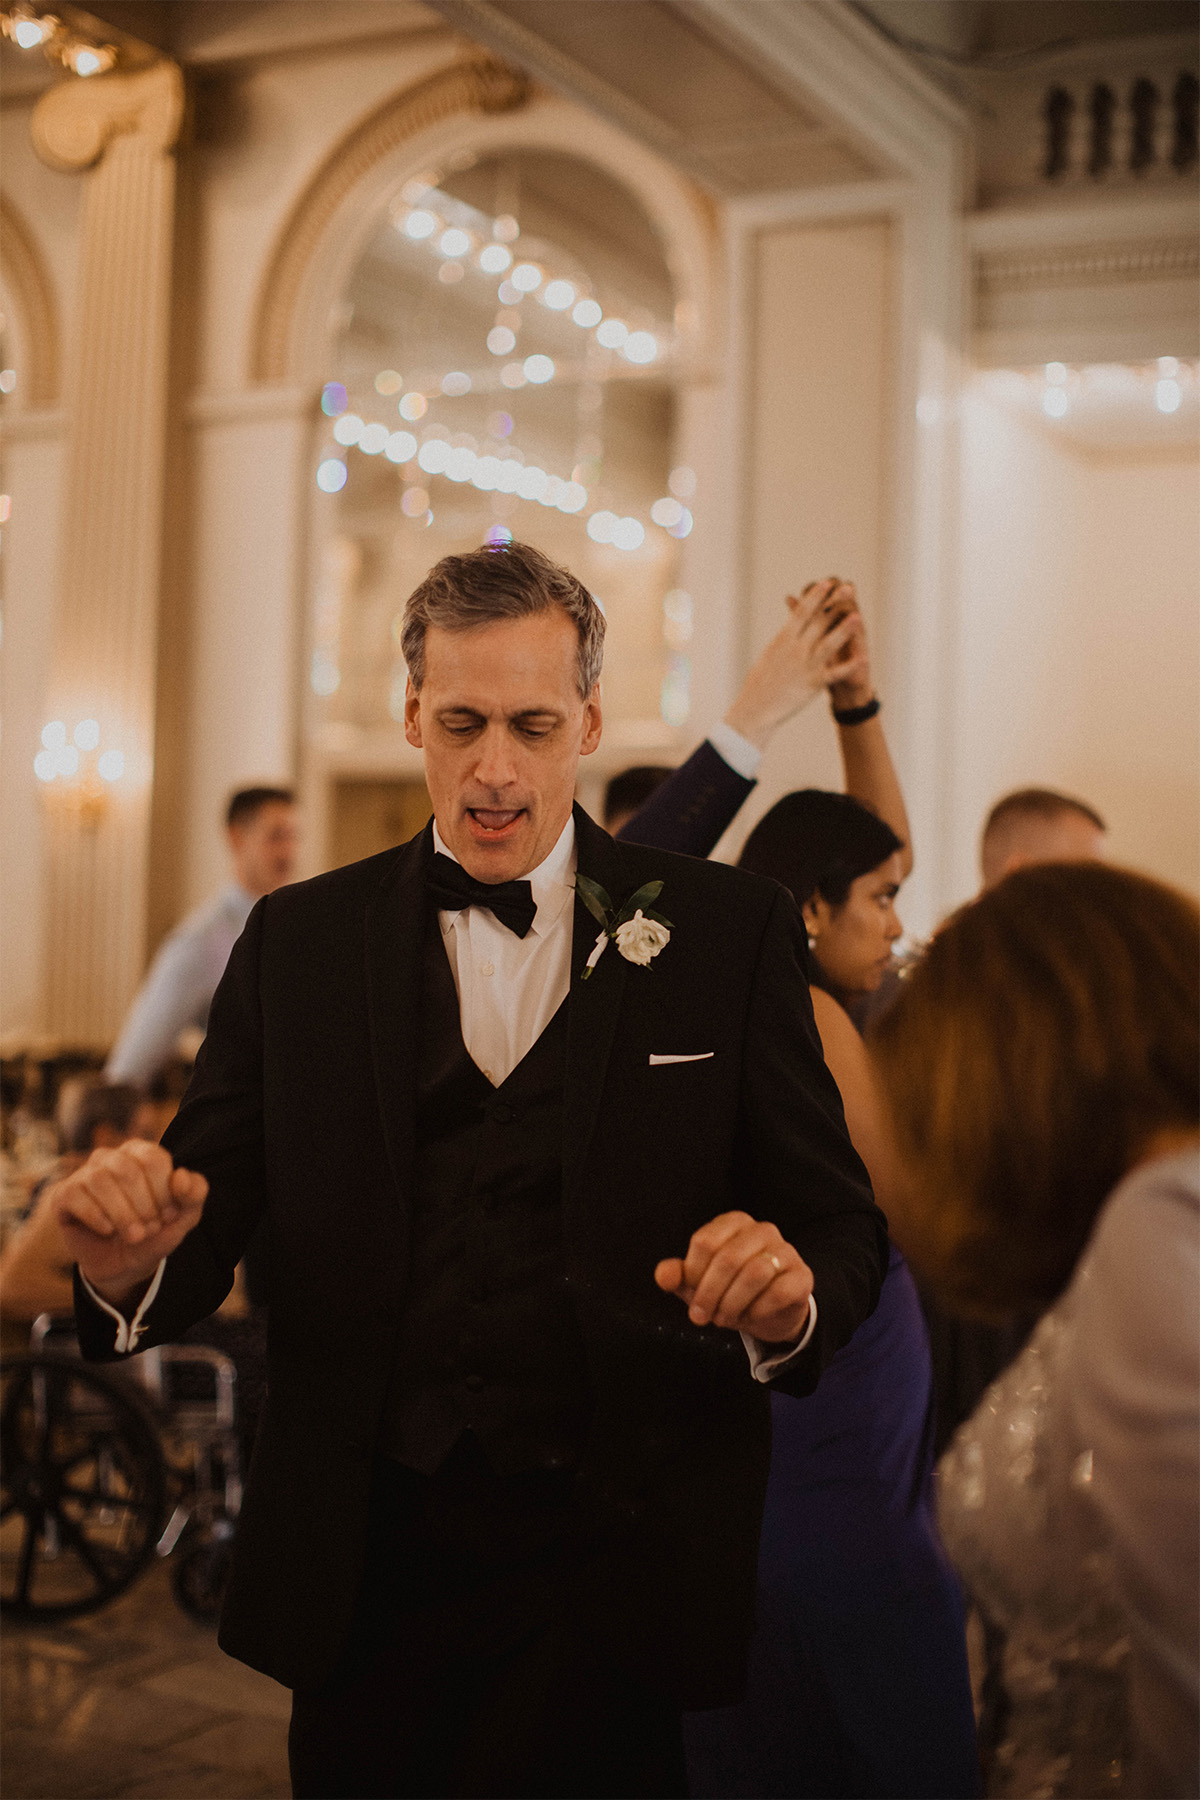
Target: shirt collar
x=552, y=882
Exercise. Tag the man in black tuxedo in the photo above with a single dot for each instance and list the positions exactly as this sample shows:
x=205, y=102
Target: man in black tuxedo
x=501, y=1522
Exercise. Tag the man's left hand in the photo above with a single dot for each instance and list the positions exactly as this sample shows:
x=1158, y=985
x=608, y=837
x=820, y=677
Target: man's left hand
x=743, y=1275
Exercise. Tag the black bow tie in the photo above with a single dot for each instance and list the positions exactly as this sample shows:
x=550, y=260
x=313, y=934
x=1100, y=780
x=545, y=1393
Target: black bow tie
x=452, y=889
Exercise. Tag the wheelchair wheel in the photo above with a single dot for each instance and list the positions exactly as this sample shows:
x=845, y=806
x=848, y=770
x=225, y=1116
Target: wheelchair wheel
x=200, y=1569
x=82, y=1488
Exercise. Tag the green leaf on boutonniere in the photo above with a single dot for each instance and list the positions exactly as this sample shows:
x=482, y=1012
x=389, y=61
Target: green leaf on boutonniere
x=640, y=901
x=595, y=899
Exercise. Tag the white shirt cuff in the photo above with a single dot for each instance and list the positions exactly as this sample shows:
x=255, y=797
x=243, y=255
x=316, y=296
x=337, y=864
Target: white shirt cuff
x=743, y=757
x=128, y=1330
x=765, y=1360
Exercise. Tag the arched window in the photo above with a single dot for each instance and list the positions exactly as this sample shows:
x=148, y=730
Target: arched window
x=504, y=365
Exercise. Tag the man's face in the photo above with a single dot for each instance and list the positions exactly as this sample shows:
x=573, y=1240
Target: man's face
x=502, y=724
x=264, y=848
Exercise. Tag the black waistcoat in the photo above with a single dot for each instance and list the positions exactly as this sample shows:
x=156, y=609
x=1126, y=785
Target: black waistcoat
x=488, y=1340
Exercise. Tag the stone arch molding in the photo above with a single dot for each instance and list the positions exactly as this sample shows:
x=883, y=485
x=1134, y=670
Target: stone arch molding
x=30, y=293
x=482, y=106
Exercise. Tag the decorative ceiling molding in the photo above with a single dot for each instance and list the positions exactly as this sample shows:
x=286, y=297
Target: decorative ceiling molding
x=1154, y=259
x=28, y=282
x=478, y=85
x=75, y=121
x=845, y=71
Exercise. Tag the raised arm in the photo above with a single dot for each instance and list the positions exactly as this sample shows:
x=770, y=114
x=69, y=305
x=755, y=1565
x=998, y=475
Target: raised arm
x=866, y=759
x=692, y=809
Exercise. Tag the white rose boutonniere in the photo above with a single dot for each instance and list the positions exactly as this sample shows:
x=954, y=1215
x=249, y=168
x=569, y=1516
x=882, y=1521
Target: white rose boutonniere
x=638, y=933
x=639, y=939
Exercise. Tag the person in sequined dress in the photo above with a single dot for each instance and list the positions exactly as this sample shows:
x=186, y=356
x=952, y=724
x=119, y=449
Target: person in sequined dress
x=1041, y=1072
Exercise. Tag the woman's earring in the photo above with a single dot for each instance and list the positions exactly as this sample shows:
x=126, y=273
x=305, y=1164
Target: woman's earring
x=812, y=942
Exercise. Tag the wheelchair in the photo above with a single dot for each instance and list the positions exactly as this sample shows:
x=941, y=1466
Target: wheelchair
x=103, y=1469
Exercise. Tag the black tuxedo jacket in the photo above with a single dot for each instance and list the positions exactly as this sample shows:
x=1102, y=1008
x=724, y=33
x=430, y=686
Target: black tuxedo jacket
x=301, y=1107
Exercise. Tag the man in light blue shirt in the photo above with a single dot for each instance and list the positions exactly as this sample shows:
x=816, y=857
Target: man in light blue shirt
x=263, y=832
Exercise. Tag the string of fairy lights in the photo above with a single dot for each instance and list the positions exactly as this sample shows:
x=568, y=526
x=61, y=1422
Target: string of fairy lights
x=462, y=241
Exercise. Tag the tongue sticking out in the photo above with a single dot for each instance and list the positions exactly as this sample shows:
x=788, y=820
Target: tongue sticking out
x=494, y=821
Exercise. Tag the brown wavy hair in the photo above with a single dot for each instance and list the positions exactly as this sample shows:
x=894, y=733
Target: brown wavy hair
x=1048, y=1034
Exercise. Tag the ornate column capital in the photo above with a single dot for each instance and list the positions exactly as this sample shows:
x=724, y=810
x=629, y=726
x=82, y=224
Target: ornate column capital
x=75, y=121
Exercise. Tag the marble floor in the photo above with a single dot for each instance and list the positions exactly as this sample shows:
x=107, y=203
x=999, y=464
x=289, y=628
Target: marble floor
x=136, y=1700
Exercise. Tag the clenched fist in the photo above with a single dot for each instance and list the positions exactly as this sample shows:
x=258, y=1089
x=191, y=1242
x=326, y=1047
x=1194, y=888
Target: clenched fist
x=743, y=1275
x=123, y=1211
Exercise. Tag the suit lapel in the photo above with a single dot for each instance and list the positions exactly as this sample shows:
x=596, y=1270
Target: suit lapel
x=595, y=1003
x=395, y=923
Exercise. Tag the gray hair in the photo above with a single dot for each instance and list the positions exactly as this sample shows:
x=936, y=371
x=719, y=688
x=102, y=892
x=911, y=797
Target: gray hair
x=508, y=581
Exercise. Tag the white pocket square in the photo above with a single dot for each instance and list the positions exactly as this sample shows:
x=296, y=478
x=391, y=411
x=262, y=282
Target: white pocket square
x=701, y=1056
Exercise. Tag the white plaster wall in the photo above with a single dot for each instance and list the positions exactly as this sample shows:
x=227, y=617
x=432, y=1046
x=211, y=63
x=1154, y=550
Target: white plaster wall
x=49, y=206
x=1079, y=650
x=243, y=672
x=275, y=125
x=49, y=203
x=818, y=417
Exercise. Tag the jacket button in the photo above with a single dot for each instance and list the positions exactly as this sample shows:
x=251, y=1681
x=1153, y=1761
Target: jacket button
x=474, y=1383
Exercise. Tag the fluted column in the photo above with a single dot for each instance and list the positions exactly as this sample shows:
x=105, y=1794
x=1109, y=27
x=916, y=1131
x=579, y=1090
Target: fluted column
x=121, y=130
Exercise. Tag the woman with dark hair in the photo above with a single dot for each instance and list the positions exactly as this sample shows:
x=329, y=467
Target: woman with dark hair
x=1042, y=1070
x=858, y=1680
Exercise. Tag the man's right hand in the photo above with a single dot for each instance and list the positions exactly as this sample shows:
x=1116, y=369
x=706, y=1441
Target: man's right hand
x=123, y=1211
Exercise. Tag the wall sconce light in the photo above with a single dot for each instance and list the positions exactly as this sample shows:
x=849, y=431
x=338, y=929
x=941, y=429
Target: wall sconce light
x=78, y=776
x=31, y=29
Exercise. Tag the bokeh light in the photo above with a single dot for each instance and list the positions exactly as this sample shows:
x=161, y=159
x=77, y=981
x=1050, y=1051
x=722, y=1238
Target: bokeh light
x=420, y=224
x=526, y=278
x=87, y=734
x=559, y=295
x=401, y=447
x=111, y=766
x=587, y=313
x=501, y=341
x=331, y=476
x=372, y=439
x=348, y=429
x=334, y=399
x=611, y=333
x=433, y=455
x=456, y=383
x=640, y=347
x=539, y=369
x=413, y=406
x=494, y=259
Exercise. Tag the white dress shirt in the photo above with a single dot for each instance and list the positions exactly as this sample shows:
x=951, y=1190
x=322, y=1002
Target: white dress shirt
x=509, y=989
x=743, y=757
